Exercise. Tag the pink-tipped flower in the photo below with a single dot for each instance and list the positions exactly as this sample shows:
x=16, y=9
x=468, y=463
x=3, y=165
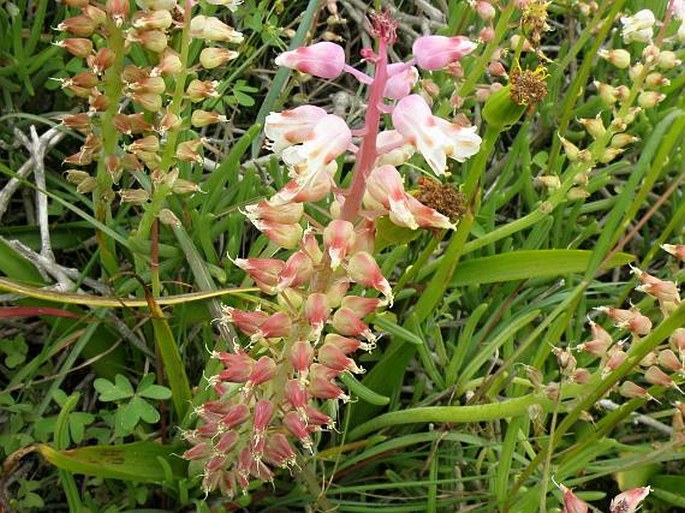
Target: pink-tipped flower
x=401, y=80
x=285, y=235
x=331, y=356
x=262, y=270
x=297, y=271
x=323, y=60
x=318, y=189
x=393, y=148
x=301, y=355
x=321, y=384
x=263, y=414
x=631, y=390
x=297, y=428
x=437, y=52
x=434, y=137
x=668, y=360
x=264, y=370
x=198, y=452
x=628, y=502
x=572, y=504
x=247, y=322
x=600, y=342
x=346, y=344
x=292, y=126
x=348, y=324
x=236, y=416
x=318, y=418
x=317, y=310
x=677, y=250
x=338, y=238
x=295, y=394
x=631, y=320
x=329, y=139
x=227, y=442
x=288, y=213
x=210, y=28
x=277, y=325
x=655, y=376
x=238, y=366
x=616, y=358
x=310, y=246
x=363, y=269
x=361, y=306
x=279, y=452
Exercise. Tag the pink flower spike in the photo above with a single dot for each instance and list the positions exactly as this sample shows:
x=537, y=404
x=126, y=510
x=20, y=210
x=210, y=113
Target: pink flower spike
x=238, y=414
x=401, y=79
x=436, y=52
x=572, y=504
x=298, y=269
x=363, y=269
x=301, y=355
x=361, y=306
x=317, y=310
x=291, y=127
x=338, y=238
x=628, y=502
x=323, y=60
x=264, y=370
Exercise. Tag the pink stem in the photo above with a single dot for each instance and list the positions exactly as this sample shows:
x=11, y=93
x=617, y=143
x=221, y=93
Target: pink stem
x=368, y=152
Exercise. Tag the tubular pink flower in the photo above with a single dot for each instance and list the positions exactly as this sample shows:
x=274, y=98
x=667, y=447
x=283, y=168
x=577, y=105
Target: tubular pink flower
x=278, y=325
x=264, y=370
x=317, y=310
x=436, y=52
x=292, y=126
x=301, y=355
x=573, y=504
x=338, y=238
x=227, y=442
x=238, y=367
x=263, y=414
x=628, y=502
x=236, y=416
x=401, y=79
x=298, y=269
x=393, y=148
x=321, y=388
x=435, y=138
x=361, y=306
x=318, y=418
x=285, y=235
x=198, y=452
x=363, y=269
x=288, y=213
x=323, y=60
x=247, y=322
x=348, y=324
x=279, y=452
x=264, y=270
x=295, y=394
x=331, y=356
x=297, y=428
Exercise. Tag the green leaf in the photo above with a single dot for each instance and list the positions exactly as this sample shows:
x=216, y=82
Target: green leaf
x=120, y=389
x=521, y=265
x=131, y=462
x=147, y=412
x=156, y=392
x=128, y=415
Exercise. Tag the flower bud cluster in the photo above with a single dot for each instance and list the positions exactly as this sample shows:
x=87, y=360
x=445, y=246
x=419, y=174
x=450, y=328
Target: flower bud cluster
x=275, y=392
x=131, y=113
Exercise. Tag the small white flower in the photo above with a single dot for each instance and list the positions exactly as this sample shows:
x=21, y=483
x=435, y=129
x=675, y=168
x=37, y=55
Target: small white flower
x=638, y=27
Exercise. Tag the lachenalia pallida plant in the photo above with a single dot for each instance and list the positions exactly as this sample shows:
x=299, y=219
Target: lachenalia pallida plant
x=277, y=391
x=140, y=126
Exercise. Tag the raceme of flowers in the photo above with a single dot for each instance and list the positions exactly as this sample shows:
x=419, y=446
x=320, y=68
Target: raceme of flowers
x=136, y=113
x=279, y=390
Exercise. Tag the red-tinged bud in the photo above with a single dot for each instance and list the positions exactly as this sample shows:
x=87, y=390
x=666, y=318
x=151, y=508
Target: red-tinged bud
x=227, y=442
x=297, y=271
x=581, y=376
x=238, y=365
x=149, y=144
x=201, y=118
x=236, y=416
x=279, y=452
x=664, y=291
x=285, y=235
x=80, y=122
x=263, y=371
x=211, y=58
x=188, y=151
x=264, y=270
x=319, y=371
x=361, y=306
x=677, y=341
x=85, y=79
x=153, y=40
x=323, y=60
x=363, y=269
x=148, y=101
x=301, y=355
x=632, y=320
x=288, y=213
x=331, y=356
x=336, y=291
x=309, y=244
x=207, y=431
x=129, y=162
x=81, y=26
x=199, y=452
x=169, y=122
x=628, y=502
x=436, y=52
x=153, y=85
x=161, y=19
x=278, y=325
x=292, y=191
x=318, y=418
x=118, y=11
x=631, y=390
x=677, y=250
x=668, y=360
x=95, y=13
x=199, y=90
x=600, y=342
x=322, y=388
x=348, y=324
x=101, y=61
x=247, y=322
x=655, y=376
x=297, y=428
x=113, y=167
x=345, y=344
x=573, y=504
x=134, y=123
x=210, y=28
x=82, y=158
x=295, y=394
x=215, y=464
x=616, y=358
x=169, y=63
x=338, y=238
x=485, y=10
x=263, y=414
x=317, y=311
x=77, y=46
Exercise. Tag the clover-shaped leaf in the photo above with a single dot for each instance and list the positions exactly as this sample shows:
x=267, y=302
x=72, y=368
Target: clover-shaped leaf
x=120, y=389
